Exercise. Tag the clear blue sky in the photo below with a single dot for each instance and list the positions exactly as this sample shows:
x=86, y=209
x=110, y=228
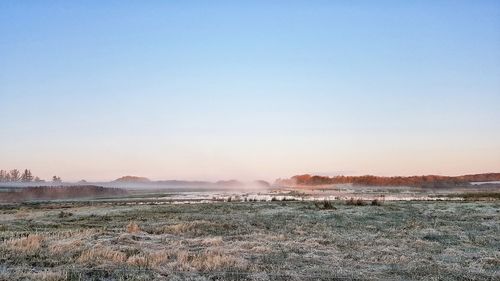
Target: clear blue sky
x=261, y=89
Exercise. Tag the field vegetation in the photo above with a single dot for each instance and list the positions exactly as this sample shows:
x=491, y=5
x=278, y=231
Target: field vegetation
x=278, y=240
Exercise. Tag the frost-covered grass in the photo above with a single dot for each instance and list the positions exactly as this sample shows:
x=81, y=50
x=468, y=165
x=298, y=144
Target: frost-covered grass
x=278, y=240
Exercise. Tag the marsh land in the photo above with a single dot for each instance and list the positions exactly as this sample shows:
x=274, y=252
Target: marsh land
x=272, y=240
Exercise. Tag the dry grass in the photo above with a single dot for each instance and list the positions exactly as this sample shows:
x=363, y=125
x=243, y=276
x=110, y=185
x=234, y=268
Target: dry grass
x=132, y=227
x=185, y=227
x=212, y=241
x=159, y=258
x=212, y=259
x=22, y=213
x=261, y=249
x=44, y=275
x=215, y=259
x=65, y=247
x=27, y=245
x=102, y=254
x=292, y=241
x=138, y=260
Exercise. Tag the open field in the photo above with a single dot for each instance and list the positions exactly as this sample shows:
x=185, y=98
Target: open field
x=277, y=240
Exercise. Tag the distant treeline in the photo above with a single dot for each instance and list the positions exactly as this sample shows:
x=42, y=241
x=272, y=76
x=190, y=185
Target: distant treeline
x=17, y=176
x=60, y=192
x=420, y=181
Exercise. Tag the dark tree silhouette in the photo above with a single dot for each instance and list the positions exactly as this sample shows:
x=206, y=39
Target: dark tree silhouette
x=37, y=179
x=26, y=176
x=15, y=175
x=3, y=176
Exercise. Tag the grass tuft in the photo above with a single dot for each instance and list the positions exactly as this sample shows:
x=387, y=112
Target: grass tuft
x=27, y=245
x=377, y=202
x=102, y=254
x=325, y=205
x=132, y=227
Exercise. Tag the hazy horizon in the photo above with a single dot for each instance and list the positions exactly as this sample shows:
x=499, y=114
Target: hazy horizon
x=225, y=90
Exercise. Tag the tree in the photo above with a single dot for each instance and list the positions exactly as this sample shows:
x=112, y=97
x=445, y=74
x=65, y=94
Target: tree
x=56, y=179
x=26, y=176
x=37, y=179
x=15, y=175
x=3, y=176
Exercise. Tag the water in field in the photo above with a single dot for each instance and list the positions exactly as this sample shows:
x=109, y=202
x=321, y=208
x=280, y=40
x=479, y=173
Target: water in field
x=202, y=194
x=485, y=182
x=333, y=192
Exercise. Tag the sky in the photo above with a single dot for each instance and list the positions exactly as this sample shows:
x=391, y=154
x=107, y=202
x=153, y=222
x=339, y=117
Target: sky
x=208, y=90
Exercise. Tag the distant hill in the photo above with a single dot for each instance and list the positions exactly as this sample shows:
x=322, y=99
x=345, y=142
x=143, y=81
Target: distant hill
x=132, y=179
x=182, y=183
x=369, y=180
x=262, y=183
x=229, y=183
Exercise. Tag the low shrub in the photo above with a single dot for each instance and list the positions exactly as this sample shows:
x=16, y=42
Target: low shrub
x=325, y=205
x=63, y=214
x=356, y=202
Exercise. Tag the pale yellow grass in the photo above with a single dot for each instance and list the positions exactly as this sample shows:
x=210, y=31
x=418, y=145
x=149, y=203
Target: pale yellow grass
x=159, y=258
x=22, y=213
x=154, y=259
x=75, y=234
x=212, y=241
x=185, y=227
x=132, y=227
x=138, y=260
x=102, y=254
x=63, y=247
x=255, y=247
x=214, y=259
x=49, y=276
x=261, y=249
x=210, y=259
x=28, y=245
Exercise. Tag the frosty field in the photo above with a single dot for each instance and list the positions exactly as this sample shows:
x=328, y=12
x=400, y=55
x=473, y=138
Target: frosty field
x=274, y=240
